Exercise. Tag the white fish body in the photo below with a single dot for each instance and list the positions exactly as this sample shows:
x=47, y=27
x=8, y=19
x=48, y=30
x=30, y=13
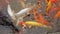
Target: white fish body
x=23, y=12
x=10, y=12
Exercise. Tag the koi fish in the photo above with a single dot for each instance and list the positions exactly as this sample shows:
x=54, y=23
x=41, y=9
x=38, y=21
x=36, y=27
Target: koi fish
x=39, y=17
x=33, y=23
x=10, y=12
x=22, y=13
x=18, y=15
x=42, y=19
x=57, y=15
x=49, y=5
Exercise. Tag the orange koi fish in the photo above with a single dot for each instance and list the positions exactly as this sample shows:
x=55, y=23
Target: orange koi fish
x=42, y=19
x=49, y=5
x=35, y=15
x=57, y=15
x=39, y=17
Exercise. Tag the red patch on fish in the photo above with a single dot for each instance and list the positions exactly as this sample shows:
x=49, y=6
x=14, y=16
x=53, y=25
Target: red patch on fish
x=22, y=23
